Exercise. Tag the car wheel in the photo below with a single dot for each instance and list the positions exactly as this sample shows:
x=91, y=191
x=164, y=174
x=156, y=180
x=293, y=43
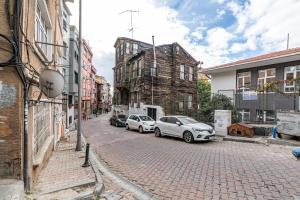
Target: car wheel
x=127, y=127
x=141, y=129
x=111, y=123
x=188, y=137
x=157, y=132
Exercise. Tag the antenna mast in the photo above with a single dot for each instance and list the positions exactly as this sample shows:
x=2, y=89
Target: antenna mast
x=131, y=23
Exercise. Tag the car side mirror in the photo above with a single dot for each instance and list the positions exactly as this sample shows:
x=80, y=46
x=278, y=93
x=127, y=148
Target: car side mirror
x=138, y=120
x=178, y=123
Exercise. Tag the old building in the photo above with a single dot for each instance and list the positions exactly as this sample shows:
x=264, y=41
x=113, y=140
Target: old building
x=88, y=72
x=103, y=95
x=29, y=128
x=248, y=83
x=140, y=87
x=68, y=107
x=73, y=75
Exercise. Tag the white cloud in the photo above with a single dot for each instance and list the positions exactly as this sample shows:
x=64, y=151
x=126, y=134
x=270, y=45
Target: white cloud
x=269, y=22
x=218, y=40
x=220, y=13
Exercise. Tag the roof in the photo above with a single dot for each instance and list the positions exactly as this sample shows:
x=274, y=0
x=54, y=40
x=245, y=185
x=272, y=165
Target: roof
x=125, y=38
x=137, y=55
x=259, y=60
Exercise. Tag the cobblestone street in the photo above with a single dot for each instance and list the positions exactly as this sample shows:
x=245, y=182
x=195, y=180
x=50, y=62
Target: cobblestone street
x=173, y=169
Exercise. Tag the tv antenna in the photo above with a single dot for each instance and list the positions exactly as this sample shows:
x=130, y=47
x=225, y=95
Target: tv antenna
x=131, y=23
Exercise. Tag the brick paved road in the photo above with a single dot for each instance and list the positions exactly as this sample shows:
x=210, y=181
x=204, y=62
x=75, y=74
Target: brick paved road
x=173, y=169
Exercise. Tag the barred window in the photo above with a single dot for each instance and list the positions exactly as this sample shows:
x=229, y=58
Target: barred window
x=42, y=31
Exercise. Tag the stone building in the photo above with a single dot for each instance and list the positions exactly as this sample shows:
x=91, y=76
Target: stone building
x=167, y=88
x=29, y=129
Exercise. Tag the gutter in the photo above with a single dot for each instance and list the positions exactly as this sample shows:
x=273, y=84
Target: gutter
x=262, y=62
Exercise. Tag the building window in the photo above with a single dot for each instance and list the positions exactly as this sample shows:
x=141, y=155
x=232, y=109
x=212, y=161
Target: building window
x=139, y=72
x=190, y=101
x=65, y=49
x=180, y=105
x=127, y=47
x=76, y=77
x=177, y=49
x=265, y=115
x=265, y=76
x=182, y=72
x=70, y=100
x=135, y=48
x=244, y=81
x=244, y=115
x=134, y=66
x=65, y=26
x=121, y=73
x=122, y=49
x=191, y=73
x=42, y=31
x=291, y=73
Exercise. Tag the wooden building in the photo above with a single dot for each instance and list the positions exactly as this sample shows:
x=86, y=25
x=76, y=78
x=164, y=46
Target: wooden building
x=142, y=88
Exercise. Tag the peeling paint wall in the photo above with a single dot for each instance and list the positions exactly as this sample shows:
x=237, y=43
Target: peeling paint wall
x=7, y=94
x=11, y=109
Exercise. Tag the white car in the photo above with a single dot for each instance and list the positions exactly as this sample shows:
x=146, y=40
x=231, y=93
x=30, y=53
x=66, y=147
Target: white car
x=183, y=127
x=142, y=123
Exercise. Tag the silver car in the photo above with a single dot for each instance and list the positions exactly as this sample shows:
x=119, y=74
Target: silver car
x=183, y=127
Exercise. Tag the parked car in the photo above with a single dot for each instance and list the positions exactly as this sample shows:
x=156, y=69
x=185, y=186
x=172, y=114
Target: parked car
x=118, y=120
x=142, y=123
x=183, y=127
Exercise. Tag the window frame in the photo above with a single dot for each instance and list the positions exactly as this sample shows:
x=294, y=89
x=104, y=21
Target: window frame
x=191, y=73
x=181, y=71
x=190, y=101
x=265, y=77
x=43, y=27
x=243, y=76
x=296, y=69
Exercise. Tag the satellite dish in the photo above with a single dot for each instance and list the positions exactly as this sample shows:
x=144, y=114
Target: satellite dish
x=52, y=83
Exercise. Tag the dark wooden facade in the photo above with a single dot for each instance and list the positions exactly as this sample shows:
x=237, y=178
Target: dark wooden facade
x=134, y=80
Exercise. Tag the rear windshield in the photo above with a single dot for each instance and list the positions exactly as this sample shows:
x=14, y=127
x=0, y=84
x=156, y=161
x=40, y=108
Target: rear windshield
x=146, y=118
x=122, y=116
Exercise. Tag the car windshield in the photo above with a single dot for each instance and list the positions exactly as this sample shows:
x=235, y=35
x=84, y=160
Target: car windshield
x=187, y=120
x=146, y=118
x=122, y=116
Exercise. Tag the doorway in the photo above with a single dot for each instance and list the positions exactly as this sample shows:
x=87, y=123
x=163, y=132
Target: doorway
x=152, y=113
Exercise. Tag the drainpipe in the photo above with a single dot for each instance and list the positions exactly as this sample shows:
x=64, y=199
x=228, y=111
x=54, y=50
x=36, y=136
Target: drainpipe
x=154, y=69
x=26, y=145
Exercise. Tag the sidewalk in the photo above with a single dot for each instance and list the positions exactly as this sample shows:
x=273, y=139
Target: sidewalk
x=64, y=177
x=263, y=140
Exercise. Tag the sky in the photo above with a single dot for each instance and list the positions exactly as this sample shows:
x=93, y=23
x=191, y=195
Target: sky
x=212, y=31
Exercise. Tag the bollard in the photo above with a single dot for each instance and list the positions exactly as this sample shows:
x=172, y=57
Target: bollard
x=87, y=151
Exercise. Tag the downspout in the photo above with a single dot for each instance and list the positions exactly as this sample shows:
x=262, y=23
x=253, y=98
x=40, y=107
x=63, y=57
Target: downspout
x=26, y=144
x=19, y=20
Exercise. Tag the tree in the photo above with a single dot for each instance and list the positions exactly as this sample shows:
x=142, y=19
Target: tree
x=208, y=104
x=204, y=97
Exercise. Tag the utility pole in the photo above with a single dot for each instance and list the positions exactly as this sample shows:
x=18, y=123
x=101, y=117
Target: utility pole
x=153, y=71
x=78, y=144
x=131, y=23
x=288, y=41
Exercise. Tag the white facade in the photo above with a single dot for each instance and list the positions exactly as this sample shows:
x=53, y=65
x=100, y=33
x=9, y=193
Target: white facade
x=143, y=110
x=224, y=83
